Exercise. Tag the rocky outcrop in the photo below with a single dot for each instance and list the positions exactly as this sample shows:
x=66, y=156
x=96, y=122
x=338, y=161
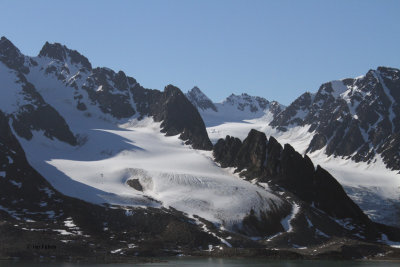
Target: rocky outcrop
x=225, y=151
x=251, y=155
x=267, y=161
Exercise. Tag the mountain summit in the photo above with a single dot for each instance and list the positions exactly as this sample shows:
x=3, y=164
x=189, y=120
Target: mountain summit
x=62, y=53
x=200, y=100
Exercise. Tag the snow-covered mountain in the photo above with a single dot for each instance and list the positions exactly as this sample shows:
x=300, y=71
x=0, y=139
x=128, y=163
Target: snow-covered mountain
x=356, y=118
x=200, y=100
x=89, y=155
x=90, y=104
x=235, y=108
x=96, y=129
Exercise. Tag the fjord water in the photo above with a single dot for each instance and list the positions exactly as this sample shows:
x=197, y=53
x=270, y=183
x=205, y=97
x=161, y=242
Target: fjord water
x=216, y=262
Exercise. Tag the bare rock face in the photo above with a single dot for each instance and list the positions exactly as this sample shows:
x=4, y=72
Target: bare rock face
x=357, y=118
x=251, y=155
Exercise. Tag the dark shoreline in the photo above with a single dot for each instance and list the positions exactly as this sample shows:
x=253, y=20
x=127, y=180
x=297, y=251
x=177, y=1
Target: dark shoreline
x=176, y=259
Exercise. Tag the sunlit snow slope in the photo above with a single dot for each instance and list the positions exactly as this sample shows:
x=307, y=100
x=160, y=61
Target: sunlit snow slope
x=171, y=173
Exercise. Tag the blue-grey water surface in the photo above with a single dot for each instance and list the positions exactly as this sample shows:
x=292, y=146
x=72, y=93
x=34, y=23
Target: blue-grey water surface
x=215, y=262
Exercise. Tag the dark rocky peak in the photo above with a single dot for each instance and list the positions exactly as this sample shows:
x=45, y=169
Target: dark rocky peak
x=55, y=51
x=121, y=81
x=226, y=150
x=273, y=156
x=172, y=91
x=11, y=56
x=295, y=173
x=179, y=116
x=200, y=100
x=248, y=156
x=7, y=48
x=252, y=153
x=62, y=53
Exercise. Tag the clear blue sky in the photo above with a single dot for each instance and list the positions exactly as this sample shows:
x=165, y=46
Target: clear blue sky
x=275, y=49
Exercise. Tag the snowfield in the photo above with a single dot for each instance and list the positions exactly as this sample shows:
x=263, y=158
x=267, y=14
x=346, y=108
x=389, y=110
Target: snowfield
x=373, y=187
x=171, y=174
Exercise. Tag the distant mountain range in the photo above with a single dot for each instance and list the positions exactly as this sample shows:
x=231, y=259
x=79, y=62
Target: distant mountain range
x=356, y=118
x=233, y=108
x=93, y=165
